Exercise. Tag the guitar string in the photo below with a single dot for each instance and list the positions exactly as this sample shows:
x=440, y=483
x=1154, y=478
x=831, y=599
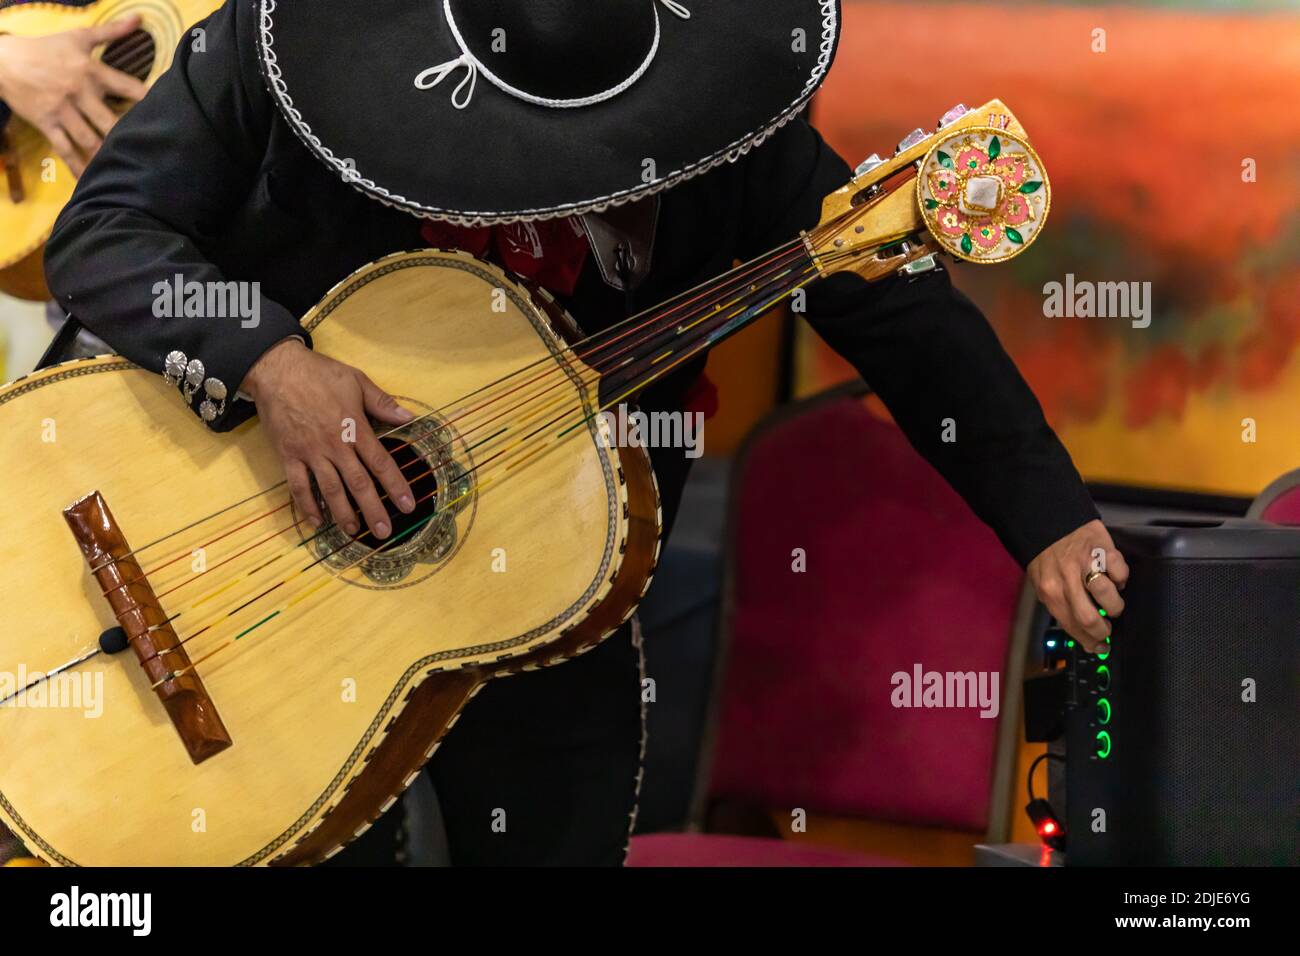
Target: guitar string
x=247, y=600
x=826, y=258
x=711, y=311
x=811, y=273
x=549, y=360
x=234, y=581
x=664, y=309
x=556, y=404
x=189, y=577
x=741, y=274
x=263, y=563
x=706, y=341
x=735, y=275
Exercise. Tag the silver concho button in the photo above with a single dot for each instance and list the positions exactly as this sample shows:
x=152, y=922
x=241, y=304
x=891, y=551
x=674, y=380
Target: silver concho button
x=194, y=373
x=207, y=411
x=216, y=389
x=174, y=367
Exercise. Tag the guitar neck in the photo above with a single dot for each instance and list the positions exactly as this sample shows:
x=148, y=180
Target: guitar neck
x=690, y=324
x=873, y=231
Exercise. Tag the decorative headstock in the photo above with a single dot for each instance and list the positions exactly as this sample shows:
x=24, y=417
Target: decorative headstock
x=974, y=188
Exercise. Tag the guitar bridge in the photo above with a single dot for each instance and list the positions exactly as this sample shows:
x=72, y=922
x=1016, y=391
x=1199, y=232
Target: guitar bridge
x=155, y=643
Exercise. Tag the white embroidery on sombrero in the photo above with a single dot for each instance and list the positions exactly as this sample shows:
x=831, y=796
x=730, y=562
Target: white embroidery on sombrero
x=427, y=79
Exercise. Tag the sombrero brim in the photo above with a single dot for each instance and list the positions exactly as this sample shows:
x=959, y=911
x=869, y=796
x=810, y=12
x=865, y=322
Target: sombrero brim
x=342, y=72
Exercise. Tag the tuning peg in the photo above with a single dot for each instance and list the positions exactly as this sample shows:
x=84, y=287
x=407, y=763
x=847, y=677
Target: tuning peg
x=910, y=140
x=950, y=117
x=868, y=164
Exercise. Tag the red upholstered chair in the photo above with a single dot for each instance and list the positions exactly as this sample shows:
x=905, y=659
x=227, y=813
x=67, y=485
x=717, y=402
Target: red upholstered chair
x=899, y=572
x=1280, y=501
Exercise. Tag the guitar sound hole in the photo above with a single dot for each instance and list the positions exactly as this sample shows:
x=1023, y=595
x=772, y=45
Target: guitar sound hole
x=424, y=488
x=132, y=54
x=419, y=475
x=443, y=488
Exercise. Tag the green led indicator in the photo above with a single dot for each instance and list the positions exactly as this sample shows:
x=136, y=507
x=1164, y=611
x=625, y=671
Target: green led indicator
x=1102, y=655
x=1103, y=677
x=1103, y=711
x=1101, y=611
x=1069, y=643
x=1103, y=740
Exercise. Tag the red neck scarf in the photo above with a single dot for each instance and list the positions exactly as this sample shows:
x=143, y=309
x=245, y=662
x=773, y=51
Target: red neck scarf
x=550, y=252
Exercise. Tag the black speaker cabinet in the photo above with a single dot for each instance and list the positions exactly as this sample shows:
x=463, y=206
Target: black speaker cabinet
x=1183, y=741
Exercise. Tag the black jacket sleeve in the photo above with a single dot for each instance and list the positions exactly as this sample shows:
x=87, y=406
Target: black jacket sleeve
x=930, y=355
x=169, y=175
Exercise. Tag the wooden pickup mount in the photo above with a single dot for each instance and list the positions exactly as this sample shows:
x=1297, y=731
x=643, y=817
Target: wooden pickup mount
x=154, y=641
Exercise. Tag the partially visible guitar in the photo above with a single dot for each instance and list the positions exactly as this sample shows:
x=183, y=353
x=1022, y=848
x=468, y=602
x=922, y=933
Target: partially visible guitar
x=190, y=674
x=36, y=184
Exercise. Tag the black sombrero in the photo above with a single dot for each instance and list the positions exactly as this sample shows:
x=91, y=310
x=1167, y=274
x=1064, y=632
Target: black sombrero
x=482, y=111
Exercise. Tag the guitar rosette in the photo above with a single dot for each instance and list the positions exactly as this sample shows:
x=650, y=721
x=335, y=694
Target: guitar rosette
x=983, y=193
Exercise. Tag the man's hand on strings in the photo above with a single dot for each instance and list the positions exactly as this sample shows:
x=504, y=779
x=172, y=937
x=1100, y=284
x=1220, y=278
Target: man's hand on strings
x=305, y=401
x=57, y=85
